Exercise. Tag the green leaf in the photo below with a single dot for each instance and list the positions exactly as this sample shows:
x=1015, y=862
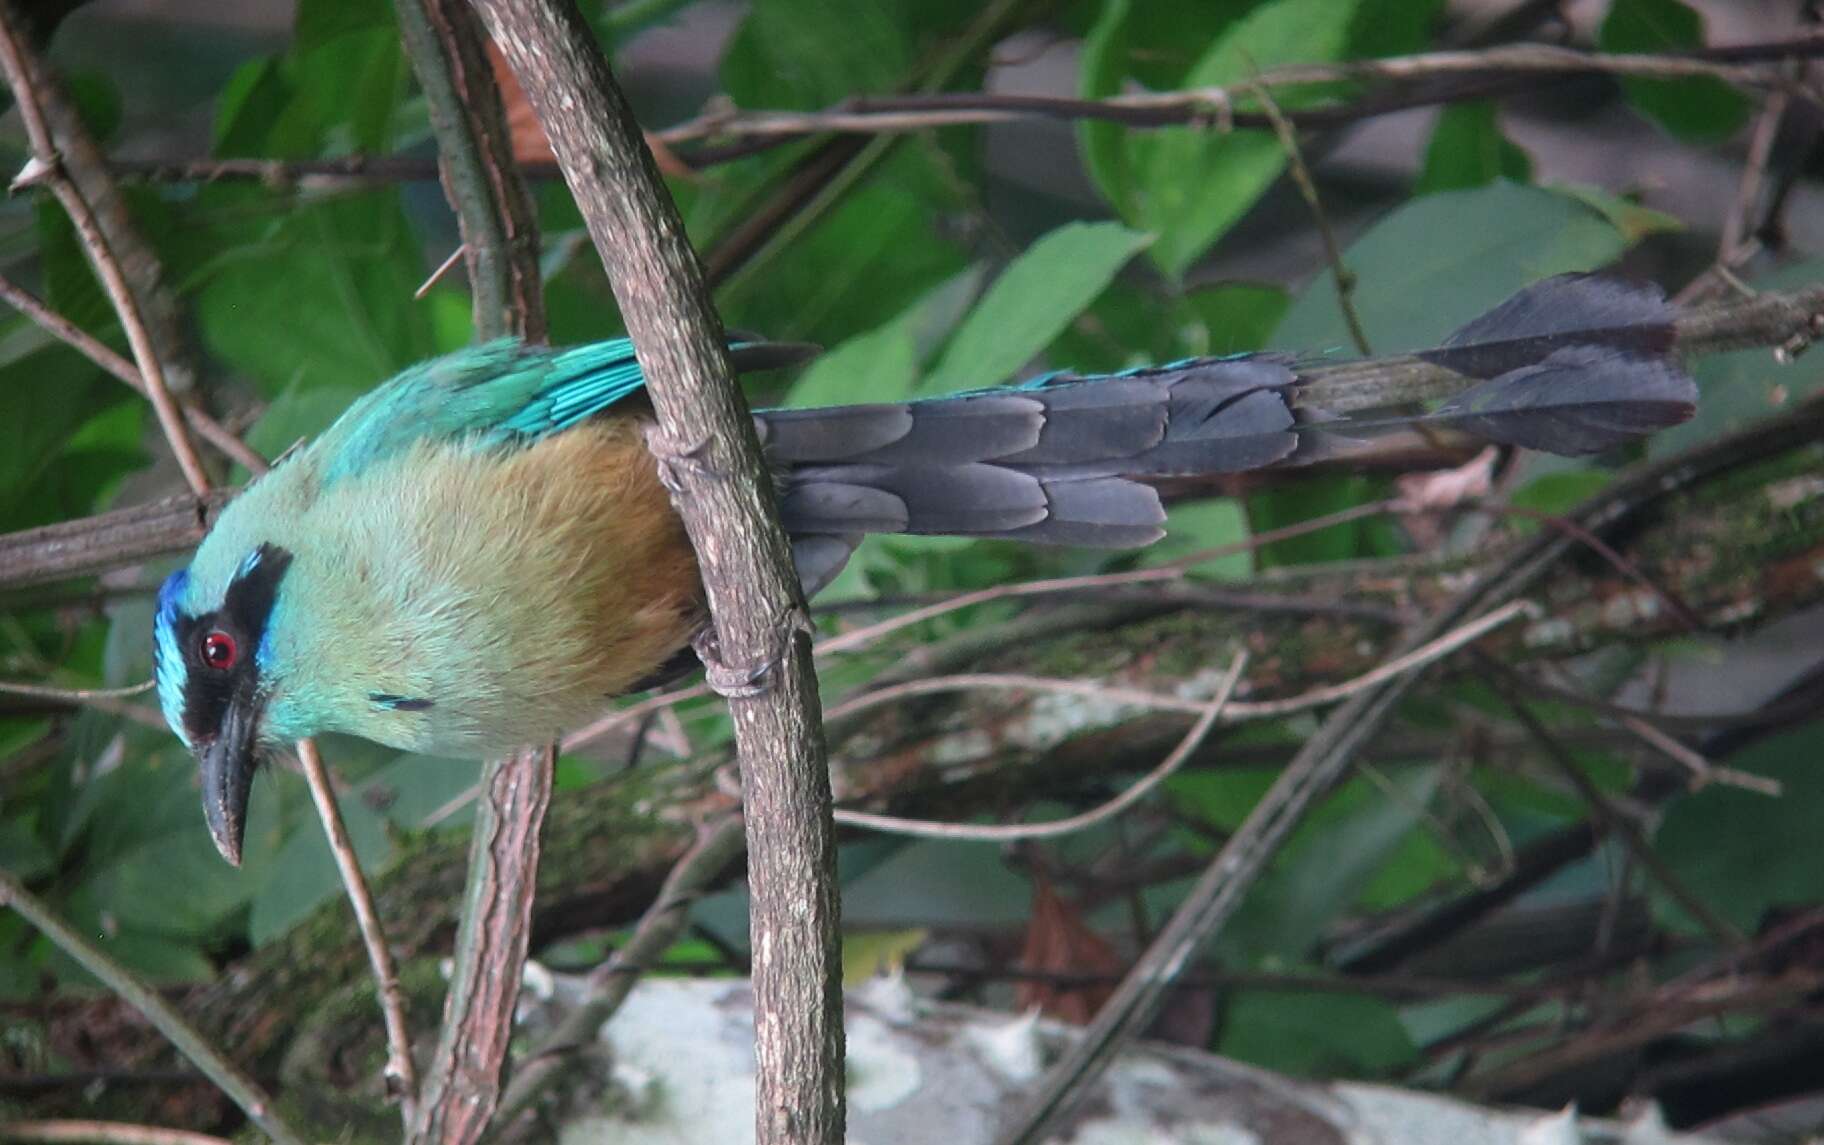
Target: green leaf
x=879, y=366
x=1441, y=260
x=1031, y=302
x=1291, y=502
x=1747, y=385
x=1104, y=144
x=1238, y=316
x=1467, y=149
x=173, y=884
x=97, y=100
x=1193, y=185
x=1329, y=863
x=323, y=297
x=1316, y=1034
x=863, y=264
x=1392, y=27
x=1744, y=853
x=1699, y=109
x=1193, y=526
x=22, y=852
x=1166, y=40
x=337, y=90
x=1559, y=492
x=302, y=876
x=45, y=397
x=160, y=960
x=805, y=54
x=882, y=364
x=1634, y=221
x=413, y=787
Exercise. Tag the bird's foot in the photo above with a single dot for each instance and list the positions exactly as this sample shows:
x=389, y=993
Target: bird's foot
x=676, y=458
x=745, y=681
x=733, y=681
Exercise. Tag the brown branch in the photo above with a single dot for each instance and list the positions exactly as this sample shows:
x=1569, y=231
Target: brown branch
x=446, y=44
x=1414, y=81
x=718, y=845
x=108, y=540
x=871, y=115
x=462, y=1085
x=709, y=453
x=36, y=92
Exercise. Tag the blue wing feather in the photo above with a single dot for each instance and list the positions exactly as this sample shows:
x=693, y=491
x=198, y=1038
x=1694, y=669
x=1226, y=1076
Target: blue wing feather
x=492, y=394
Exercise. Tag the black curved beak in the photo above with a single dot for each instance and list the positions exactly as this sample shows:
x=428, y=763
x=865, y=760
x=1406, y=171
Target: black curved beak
x=228, y=763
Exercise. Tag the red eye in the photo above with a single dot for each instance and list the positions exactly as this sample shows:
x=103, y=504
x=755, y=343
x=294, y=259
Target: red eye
x=219, y=651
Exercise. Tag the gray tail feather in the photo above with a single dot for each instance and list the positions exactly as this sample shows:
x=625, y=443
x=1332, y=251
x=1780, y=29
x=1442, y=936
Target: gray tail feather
x=1573, y=364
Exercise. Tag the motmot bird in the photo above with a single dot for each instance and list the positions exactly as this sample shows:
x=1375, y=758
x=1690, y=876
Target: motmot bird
x=480, y=552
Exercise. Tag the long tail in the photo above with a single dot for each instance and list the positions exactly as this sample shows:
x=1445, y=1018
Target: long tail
x=1572, y=365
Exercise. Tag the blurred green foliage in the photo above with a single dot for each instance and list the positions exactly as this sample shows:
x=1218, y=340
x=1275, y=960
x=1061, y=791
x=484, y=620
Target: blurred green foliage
x=302, y=294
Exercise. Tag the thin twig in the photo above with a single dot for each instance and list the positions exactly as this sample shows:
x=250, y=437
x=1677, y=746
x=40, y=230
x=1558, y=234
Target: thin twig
x=1611, y=817
x=608, y=985
x=1017, y=832
x=1172, y=570
x=1344, y=278
x=462, y=1083
x=895, y=114
x=239, y=1088
x=74, y=695
x=103, y=1133
x=97, y=351
x=1236, y=711
x=447, y=47
x=401, y=1073
x=25, y=74
x=1479, y=74
x=1741, y=221
x=710, y=457
x=1702, y=771
x=443, y=268
x=1322, y=760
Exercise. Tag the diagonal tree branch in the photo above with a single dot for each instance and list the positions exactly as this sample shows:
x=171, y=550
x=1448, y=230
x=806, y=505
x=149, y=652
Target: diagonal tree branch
x=40, y=99
x=240, y=1088
x=97, y=351
x=445, y=41
x=475, y=158
x=1321, y=762
x=710, y=455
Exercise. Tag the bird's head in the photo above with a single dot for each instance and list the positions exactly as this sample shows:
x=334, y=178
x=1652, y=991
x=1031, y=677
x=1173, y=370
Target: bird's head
x=212, y=658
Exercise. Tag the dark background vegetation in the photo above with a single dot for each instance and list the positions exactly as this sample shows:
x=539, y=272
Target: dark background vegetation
x=959, y=257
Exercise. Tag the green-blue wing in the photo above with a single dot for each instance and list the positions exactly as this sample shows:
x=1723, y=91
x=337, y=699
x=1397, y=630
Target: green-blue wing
x=492, y=394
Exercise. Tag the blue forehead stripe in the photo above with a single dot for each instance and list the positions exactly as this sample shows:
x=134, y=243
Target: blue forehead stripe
x=168, y=658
